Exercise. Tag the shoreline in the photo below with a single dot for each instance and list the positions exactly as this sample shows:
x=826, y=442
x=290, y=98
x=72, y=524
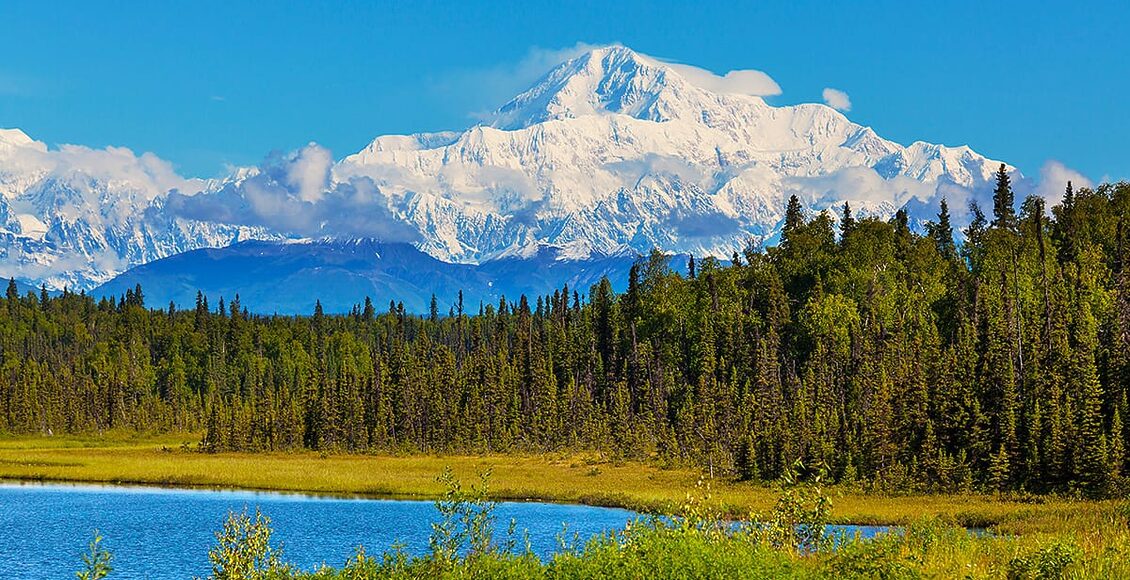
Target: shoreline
x=573, y=479
x=124, y=485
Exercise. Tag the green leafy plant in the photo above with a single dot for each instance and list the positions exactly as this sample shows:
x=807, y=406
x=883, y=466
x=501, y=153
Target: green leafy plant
x=799, y=519
x=243, y=549
x=96, y=562
x=466, y=519
x=1050, y=562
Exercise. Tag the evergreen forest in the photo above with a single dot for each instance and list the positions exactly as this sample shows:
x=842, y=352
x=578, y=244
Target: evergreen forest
x=872, y=351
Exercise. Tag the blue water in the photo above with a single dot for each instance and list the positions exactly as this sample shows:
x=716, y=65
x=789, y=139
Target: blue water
x=158, y=533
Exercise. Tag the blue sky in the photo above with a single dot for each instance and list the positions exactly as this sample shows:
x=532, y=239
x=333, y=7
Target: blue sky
x=205, y=83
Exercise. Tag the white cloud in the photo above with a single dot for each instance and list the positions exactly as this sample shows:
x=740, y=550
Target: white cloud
x=295, y=195
x=837, y=99
x=147, y=173
x=309, y=172
x=1053, y=181
x=859, y=185
x=740, y=82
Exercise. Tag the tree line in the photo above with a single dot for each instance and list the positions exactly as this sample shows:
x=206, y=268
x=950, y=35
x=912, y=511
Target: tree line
x=878, y=353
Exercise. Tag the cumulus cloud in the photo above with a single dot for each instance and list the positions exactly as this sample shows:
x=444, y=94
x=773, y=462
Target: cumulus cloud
x=1053, y=181
x=740, y=82
x=837, y=99
x=145, y=174
x=862, y=186
x=652, y=164
x=294, y=195
x=308, y=172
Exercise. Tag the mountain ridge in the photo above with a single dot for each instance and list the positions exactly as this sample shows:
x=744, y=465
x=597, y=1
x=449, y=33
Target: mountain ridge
x=288, y=278
x=609, y=151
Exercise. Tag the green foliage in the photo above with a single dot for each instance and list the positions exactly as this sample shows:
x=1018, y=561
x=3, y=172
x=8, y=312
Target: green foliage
x=1050, y=562
x=96, y=561
x=694, y=541
x=243, y=550
x=799, y=520
x=466, y=524
x=897, y=360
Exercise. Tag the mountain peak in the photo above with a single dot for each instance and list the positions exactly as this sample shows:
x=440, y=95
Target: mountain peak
x=609, y=79
x=10, y=138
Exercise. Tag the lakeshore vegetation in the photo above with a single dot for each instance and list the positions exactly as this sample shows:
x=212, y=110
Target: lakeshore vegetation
x=788, y=539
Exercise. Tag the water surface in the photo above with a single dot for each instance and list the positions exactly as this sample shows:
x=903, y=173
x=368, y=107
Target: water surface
x=163, y=533
x=160, y=533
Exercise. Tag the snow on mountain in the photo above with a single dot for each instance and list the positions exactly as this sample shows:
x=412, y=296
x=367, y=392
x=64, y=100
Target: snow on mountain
x=615, y=149
x=78, y=216
x=610, y=151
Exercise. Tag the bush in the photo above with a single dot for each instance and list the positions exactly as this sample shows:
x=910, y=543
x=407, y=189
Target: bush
x=96, y=562
x=243, y=550
x=1048, y=563
x=799, y=520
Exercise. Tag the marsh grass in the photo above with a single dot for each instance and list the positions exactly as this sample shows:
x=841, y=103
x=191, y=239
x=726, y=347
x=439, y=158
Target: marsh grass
x=698, y=542
x=1032, y=537
x=573, y=478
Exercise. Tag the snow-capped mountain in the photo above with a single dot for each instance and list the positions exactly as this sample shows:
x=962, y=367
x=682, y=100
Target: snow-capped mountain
x=77, y=216
x=615, y=149
x=609, y=152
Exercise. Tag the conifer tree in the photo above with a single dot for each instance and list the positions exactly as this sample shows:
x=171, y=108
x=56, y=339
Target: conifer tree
x=794, y=217
x=941, y=232
x=847, y=220
x=1004, y=214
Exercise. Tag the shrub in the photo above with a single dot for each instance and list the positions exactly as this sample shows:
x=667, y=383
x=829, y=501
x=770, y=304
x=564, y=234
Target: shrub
x=243, y=550
x=96, y=562
x=1047, y=563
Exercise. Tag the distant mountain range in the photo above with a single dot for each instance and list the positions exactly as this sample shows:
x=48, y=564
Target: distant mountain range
x=287, y=278
x=611, y=153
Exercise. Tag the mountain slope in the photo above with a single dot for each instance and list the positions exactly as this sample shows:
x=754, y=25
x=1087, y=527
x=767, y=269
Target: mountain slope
x=77, y=216
x=287, y=278
x=614, y=149
x=609, y=152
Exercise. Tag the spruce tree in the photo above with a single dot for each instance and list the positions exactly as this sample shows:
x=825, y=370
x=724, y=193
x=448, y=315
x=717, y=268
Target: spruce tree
x=1004, y=214
x=941, y=232
x=794, y=217
x=1116, y=448
x=847, y=221
x=1091, y=455
x=974, y=248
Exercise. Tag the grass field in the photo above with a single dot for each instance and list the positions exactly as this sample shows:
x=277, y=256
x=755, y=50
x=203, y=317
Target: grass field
x=1033, y=537
x=161, y=460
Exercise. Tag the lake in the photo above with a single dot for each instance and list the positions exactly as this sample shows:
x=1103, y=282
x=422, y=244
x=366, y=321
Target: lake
x=157, y=533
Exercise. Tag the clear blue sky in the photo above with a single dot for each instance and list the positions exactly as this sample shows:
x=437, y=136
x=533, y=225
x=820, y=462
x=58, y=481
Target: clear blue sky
x=206, y=83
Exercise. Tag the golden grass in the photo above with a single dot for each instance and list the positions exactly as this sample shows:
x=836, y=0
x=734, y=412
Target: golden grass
x=573, y=478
